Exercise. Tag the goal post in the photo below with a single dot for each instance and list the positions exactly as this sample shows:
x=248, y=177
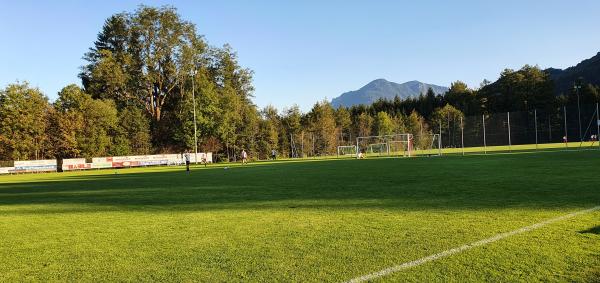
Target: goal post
x=385, y=145
x=428, y=145
x=346, y=150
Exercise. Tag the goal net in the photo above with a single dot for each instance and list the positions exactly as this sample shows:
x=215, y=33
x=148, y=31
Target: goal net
x=385, y=145
x=427, y=145
x=346, y=150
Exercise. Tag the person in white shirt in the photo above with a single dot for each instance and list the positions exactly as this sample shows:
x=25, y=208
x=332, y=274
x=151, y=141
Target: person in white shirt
x=244, y=156
x=187, y=161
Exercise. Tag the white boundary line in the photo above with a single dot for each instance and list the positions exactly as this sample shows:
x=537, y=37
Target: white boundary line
x=463, y=248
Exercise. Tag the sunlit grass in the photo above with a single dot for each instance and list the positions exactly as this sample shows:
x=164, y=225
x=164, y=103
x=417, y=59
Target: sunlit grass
x=315, y=221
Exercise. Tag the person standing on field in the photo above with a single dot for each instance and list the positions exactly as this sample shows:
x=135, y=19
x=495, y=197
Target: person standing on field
x=187, y=161
x=244, y=156
x=273, y=154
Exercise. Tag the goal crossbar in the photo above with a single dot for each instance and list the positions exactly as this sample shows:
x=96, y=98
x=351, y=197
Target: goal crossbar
x=346, y=150
x=388, y=145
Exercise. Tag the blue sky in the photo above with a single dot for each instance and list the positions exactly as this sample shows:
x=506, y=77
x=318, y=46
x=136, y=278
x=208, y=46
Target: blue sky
x=305, y=51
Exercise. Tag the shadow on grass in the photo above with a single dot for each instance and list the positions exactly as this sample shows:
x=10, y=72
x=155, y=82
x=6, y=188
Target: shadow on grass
x=405, y=184
x=593, y=230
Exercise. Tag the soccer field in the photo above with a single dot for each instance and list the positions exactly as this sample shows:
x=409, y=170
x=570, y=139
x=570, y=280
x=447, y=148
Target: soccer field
x=308, y=221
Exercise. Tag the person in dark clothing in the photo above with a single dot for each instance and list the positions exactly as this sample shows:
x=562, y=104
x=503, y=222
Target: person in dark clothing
x=187, y=161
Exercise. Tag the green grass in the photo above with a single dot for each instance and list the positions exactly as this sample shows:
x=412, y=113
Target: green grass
x=520, y=148
x=308, y=221
x=523, y=147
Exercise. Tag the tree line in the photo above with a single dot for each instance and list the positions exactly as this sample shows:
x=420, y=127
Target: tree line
x=147, y=68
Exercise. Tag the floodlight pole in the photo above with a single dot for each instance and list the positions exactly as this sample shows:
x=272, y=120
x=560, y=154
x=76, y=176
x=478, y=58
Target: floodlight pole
x=484, y=140
x=549, y=129
x=291, y=155
x=440, y=146
x=577, y=86
x=566, y=139
x=195, y=127
x=462, y=136
x=302, y=143
x=509, y=140
x=536, y=128
x=597, y=124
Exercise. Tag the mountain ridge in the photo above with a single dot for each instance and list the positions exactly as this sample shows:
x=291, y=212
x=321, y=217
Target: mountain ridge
x=384, y=89
x=588, y=70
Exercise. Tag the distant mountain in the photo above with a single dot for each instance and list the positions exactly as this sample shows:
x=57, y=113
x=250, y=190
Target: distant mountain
x=588, y=70
x=382, y=88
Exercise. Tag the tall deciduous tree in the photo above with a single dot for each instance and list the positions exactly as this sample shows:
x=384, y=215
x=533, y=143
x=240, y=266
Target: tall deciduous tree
x=92, y=122
x=364, y=124
x=446, y=115
x=269, y=131
x=322, y=121
x=343, y=121
x=134, y=130
x=142, y=57
x=384, y=125
x=23, y=121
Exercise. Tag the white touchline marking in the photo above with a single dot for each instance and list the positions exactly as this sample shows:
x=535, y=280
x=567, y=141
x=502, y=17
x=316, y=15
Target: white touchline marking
x=456, y=250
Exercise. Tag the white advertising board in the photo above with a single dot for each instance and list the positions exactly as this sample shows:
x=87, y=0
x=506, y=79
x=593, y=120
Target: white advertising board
x=35, y=166
x=7, y=170
x=75, y=164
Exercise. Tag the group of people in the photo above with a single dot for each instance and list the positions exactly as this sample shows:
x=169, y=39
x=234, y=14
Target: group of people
x=186, y=157
x=593, y=138
x=244, y=156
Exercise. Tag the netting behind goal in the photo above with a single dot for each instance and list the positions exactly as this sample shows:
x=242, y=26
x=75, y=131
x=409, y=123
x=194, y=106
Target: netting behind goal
x=346, y=150
x=385, y=145
x=427, y=145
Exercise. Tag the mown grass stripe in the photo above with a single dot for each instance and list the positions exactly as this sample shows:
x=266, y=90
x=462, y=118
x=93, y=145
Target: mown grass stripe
x=446, y=253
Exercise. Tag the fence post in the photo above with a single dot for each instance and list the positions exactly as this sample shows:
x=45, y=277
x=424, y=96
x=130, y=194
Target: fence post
x=440, y=146
x=566, y=137
x=440, y=138
x=302, y=143
x=509, y=140
x=484, y=140
x=549, y=129
x=536, y=128
x=597, y=124
x=462, y=136
x=313, y=145
x=357, y=149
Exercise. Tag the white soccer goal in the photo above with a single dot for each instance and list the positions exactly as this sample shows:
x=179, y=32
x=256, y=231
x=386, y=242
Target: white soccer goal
x=346, y=150
x=427, y=145
x=385, y=145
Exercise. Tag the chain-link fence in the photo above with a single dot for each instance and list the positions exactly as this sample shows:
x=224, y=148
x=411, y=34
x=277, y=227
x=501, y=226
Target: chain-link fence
x=569, y=127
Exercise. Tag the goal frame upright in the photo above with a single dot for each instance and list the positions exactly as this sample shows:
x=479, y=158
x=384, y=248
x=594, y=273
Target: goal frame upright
x=346, y=154
x=387, y=140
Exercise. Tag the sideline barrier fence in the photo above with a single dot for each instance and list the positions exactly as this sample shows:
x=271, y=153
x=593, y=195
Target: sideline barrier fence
x=34, y=166
x=570, y=127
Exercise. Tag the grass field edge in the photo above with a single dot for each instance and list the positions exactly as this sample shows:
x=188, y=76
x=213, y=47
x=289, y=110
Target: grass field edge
x=456, y=250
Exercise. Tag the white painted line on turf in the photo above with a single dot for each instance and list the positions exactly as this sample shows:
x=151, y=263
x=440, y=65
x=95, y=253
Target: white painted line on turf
x=450, y=252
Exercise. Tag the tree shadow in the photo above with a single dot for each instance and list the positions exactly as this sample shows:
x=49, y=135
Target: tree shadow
x=454, y=183
x=593, y=230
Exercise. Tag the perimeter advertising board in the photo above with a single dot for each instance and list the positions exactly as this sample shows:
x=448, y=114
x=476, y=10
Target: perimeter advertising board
x=35, y=166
